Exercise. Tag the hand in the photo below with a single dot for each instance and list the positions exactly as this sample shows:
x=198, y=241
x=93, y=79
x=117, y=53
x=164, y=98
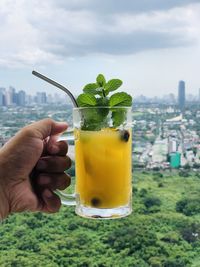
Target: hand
x=32, y=166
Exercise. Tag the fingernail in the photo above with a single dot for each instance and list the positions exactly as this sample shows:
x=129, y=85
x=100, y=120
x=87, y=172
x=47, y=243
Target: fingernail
x=41, y=165
x=54, y=149
x=47, y=193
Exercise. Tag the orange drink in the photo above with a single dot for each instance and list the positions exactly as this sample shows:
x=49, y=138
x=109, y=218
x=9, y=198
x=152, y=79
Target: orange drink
x=103, y=167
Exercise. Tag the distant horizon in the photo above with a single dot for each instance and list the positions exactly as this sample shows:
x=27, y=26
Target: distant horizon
x=59, y=92
x=149, y=45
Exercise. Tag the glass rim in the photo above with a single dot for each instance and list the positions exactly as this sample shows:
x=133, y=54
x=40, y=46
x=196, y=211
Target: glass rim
x=102, y=107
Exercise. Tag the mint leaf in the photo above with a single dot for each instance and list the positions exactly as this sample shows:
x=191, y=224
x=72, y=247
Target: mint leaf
x=118, y=117
x=101, y=81
x=120, y=99
x=94, y=119
x=112, y=85
x=90, y=88
x=94, y=89
x=102, y=102
x=86, y=100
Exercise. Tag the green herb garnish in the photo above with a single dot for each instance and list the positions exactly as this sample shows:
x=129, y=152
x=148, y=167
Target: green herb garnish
x=97, y=95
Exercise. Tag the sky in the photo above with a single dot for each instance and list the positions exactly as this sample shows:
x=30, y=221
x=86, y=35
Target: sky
x=150, y=45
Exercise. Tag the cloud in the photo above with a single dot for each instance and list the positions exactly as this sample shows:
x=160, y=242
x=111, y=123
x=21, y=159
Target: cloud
x=121, y=6
x=35, y=32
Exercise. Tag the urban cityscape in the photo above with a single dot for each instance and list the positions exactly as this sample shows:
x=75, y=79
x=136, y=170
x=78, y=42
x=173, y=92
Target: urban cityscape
x=165, y=131
x=11, y=97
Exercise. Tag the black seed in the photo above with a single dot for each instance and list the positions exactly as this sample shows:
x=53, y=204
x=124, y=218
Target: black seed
x=125, y=135
x=97, y=216
x=95, y=202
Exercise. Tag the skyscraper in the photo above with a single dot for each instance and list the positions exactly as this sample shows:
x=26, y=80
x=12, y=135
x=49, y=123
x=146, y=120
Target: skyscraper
x=21, y=98
x=181, y=96
x=41, y=98
x=2, y=96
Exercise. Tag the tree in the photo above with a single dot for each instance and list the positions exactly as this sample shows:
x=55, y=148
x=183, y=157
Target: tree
x=188, y=206
x=184, y=173
x=187, y=166
x=150, y=201
x=134, y=238
x=143, y=192
x=191, y=232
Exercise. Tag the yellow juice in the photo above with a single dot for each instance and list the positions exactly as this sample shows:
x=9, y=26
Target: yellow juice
x=103, y=167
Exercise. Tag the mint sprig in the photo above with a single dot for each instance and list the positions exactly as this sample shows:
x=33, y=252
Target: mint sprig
x=97, y=95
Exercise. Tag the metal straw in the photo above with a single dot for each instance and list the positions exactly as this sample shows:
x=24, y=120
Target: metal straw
x=46, y=79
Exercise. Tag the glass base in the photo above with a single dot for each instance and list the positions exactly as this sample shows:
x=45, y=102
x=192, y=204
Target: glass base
x=94, y=213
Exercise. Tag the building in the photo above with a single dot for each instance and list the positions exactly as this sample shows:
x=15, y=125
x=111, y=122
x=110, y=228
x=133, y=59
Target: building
x=181, y=96
x=21, y=98
x=9, y=96
x=2, y=97
x=172, y=145
x=29, y=99
x=175, y=160
x=41, y=98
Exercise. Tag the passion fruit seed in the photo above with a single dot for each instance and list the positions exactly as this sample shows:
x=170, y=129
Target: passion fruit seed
x=97, y=216
x=95, y=202
x=124, y=135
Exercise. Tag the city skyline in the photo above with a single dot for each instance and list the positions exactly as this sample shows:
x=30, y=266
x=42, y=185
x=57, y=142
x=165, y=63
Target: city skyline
x=11, y=95
x=150, y=46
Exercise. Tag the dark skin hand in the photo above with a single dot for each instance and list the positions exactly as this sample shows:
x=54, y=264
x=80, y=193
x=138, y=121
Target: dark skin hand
x=32, y=166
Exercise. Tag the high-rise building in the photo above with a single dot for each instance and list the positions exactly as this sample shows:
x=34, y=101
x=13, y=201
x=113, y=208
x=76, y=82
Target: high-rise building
x=29, y=99
x=172, y=145
x=21, y=96
x=49, y=99
x=2, y=96
x=41, y=98
x=12, y=94
x=181, y=96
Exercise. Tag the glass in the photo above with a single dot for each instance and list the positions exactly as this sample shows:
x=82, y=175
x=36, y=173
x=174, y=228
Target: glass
x=103, y=162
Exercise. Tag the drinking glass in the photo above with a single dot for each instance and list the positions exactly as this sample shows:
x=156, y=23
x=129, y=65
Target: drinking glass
x=103, y=162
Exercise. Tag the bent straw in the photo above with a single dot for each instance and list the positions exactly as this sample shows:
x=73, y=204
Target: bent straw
x=54, y=83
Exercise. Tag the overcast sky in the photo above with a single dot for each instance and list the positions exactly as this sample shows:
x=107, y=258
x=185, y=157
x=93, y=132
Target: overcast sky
x=149, y=44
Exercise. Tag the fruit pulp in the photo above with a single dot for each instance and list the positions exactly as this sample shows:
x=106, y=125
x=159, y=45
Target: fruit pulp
x=103, y=167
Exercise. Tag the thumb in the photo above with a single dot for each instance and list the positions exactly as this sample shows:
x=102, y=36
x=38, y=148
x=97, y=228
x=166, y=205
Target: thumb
x=37, y=130
x=44, y=128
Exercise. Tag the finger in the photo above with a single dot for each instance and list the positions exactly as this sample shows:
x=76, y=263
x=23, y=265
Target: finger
x=57, y=148
x=45, y=143
x=44, y=128
x=51, y=202
x=54, y=181
x=53, y=164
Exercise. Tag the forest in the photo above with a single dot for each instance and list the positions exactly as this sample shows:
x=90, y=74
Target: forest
x=162, y=231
